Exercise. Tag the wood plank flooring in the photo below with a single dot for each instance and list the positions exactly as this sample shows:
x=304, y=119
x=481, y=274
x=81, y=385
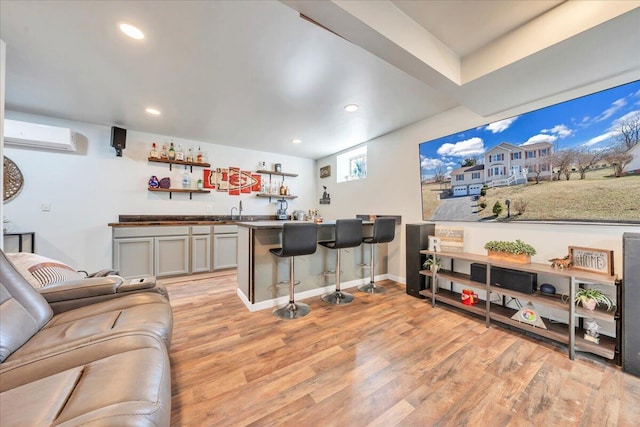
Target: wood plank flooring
x=384, y=360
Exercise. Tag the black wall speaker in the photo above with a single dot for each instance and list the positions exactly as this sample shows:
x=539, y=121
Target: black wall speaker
x=118, y=139
x=629, y=303
x=416, y=239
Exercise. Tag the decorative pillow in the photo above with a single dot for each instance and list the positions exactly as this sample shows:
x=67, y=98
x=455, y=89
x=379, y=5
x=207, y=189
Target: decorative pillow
x=41, y=271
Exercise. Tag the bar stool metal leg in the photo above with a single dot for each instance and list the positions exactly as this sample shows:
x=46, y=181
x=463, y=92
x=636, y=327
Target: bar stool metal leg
x=371, y=287
x=293, y=310
x=338, y=297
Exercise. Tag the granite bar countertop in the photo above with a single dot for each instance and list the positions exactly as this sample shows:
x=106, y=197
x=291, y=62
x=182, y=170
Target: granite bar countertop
x=173, y=220
x=262, y=225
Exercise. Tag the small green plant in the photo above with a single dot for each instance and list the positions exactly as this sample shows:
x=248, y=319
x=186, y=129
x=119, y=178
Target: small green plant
x=483, y=205
x=432, y=263
x=585, y=297
x=497, y=209
x=517, y=247
x=483, y=190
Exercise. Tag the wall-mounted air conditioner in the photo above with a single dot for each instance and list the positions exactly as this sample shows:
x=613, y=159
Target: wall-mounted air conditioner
x=33, y=135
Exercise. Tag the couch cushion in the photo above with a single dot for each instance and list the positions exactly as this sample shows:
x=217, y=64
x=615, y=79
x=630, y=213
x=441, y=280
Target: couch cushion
x=119, y=380
x=41, y=271
x=145, y=312
x=23, y=311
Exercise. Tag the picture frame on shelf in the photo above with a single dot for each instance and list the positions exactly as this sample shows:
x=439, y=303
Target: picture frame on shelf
x=598, y=261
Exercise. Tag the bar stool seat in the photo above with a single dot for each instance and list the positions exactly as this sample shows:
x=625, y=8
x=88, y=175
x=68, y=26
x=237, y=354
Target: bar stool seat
x=297, y=239
x=384, y=231
x=348, y=235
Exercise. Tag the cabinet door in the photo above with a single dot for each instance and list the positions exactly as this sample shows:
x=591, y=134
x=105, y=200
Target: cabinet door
x=133, y=257
x=200, y=253
x=225, y=251
x=171, y=255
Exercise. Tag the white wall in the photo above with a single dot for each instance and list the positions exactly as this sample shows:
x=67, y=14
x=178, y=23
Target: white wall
x=392, y=187
x=90, y=188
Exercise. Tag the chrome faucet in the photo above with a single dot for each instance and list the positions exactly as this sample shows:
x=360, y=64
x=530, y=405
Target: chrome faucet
x=232, y=212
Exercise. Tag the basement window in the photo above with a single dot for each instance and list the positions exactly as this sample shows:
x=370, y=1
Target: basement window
x=352, y=165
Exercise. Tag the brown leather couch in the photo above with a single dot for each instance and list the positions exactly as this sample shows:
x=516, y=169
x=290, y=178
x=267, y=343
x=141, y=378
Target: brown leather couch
x=101, y=364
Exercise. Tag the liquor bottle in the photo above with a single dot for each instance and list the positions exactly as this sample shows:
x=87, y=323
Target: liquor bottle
x=200, y=184
x=154, y=152
x=179, y=153
x=199, y=155
x=283, y=190
x=186, y=179
x=172, y=152
x=190, y=155
x=163, y=153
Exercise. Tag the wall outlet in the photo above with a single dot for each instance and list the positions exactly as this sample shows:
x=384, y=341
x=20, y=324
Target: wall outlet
x=210, y=209
x=46, y=207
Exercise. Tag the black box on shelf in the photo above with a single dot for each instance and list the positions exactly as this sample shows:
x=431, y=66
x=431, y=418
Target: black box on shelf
x=515, y=280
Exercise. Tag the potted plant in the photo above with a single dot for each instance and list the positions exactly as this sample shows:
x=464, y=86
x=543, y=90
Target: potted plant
x=432, y=264
x=589, y=298
x=517, y=251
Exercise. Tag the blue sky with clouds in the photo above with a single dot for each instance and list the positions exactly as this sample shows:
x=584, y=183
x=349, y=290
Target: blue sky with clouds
x=589, y=121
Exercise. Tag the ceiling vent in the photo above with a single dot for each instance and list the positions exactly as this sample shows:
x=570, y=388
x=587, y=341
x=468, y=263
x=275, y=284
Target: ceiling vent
x=33, y=135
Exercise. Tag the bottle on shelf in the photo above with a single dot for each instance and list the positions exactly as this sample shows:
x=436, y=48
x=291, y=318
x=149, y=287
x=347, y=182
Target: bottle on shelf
x=179, y=153
x=286, y=191
x=163, y=153
x=283, y=190
x=172, y=152
x=186, y=179
x=190, y=155
x=200, y=184
x=154, y=152
x=199, y=155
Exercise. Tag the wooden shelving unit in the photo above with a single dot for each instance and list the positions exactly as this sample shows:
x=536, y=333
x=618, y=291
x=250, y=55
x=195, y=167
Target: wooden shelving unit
x=276, y=196
x=569, y=333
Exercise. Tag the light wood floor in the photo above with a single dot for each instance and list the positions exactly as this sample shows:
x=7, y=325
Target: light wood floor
x=384, y=360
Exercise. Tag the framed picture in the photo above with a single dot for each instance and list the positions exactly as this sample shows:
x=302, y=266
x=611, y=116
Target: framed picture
x=524, y=159
x=325, y=172
x=594, y=260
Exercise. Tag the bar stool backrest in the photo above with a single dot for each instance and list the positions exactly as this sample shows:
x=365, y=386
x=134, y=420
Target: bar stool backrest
x=384, y=230
x=348, y=233
x=299, y=239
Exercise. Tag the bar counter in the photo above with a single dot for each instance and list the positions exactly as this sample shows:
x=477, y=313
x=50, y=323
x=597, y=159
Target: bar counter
x=259, y=271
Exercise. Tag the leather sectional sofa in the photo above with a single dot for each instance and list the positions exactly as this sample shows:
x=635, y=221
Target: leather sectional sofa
x=100, y=364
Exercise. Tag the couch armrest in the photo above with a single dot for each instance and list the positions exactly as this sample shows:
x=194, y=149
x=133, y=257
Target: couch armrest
x=137, y=284
x=81, y=288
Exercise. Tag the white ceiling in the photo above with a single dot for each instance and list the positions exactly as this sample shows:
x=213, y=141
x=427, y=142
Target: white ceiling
x=253, y=74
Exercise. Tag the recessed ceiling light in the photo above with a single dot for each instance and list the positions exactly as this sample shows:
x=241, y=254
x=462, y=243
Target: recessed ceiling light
x=131, y=31
x=296, y=141
x=351, y=108
x=152, y=111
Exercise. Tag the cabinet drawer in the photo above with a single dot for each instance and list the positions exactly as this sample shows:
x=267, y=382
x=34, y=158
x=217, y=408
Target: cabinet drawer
x=200, y=229
x=225, y=229
x=150, y=231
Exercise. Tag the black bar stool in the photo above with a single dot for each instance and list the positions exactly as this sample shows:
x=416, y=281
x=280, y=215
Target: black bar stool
x=348, y=235
x=297, y=239
x=384, y=230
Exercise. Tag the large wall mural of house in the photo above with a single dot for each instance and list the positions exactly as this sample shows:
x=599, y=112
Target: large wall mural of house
x=575, y=161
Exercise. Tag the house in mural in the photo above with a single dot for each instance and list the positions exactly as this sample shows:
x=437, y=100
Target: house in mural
x=504, y=164
x=634, y=166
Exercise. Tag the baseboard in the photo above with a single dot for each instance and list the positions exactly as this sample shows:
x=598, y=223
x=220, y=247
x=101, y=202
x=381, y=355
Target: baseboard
x=300, y=296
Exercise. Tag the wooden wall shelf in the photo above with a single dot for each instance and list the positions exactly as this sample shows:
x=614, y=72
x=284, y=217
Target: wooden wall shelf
x=179, y=162
x=178, y=190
